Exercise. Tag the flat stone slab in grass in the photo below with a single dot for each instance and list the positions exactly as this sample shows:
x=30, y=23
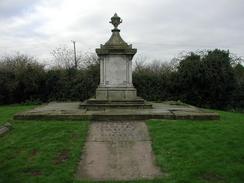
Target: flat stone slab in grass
x=71, y=111
x=3, y=130
x=118, y=151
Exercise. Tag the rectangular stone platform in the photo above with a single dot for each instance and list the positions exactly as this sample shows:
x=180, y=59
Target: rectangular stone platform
x=95, y=104
x=71, y=111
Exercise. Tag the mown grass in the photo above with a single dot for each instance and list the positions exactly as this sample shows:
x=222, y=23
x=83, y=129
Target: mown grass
x=200, y=151
x=46, y=151
x=7, y=111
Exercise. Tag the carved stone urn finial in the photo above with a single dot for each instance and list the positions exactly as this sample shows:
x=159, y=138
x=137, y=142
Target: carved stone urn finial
x=115, y=20
x=115, y=44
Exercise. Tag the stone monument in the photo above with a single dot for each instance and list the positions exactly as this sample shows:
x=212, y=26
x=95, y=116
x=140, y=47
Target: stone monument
x=116, y=88
x=115, y=92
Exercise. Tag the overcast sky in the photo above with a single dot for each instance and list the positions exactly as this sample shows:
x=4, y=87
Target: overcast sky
x=159, y=29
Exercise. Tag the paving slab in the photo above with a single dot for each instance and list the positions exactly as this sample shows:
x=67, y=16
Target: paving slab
x=196, y=115
x=118, y=150
x=71, y=111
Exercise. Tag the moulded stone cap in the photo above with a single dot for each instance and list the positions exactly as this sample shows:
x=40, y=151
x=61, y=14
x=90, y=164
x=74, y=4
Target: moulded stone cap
x=130, y=52
x=116, y=45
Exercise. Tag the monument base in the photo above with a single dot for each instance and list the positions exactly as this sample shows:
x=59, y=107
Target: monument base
x=94, y=104
x=115, y=97
x=71, y=111
x=116, y=93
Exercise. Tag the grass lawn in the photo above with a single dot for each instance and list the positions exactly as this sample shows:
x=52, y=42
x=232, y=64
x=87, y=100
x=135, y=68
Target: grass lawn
x=188, y=151
x=41, y=151
x=205, y=151
x=7, y=111
x=33, y=151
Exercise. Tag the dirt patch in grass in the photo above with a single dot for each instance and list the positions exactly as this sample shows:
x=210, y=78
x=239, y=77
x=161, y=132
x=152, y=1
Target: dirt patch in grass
x=34, y=152
x=32, y=172
x=75, y=136
x=36, y=173
x=19, y=151
x=61, y=157
x=212, y=177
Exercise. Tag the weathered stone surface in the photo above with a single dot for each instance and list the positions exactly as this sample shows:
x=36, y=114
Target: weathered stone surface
x=115, y=58
x=197, y=115
x=115, y=71
x=118, y=131
x=116, y=94
x=94, y=104
x=5, y=128
x=115, y=45
x=71, y=111
x=118, y=151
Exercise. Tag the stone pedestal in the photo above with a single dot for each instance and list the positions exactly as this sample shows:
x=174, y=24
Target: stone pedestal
x=116, y=88
x=115, y=78
x=116, y=93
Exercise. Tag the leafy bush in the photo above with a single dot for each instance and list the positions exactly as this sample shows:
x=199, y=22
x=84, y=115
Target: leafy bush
x=21, y=79
x=207, y=80
x=155, y=82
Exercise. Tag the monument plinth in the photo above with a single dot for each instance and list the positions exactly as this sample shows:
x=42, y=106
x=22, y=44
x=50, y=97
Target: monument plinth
x=116, y=88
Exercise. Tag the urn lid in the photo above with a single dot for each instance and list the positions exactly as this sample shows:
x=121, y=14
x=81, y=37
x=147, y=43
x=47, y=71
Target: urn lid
x=116, y=45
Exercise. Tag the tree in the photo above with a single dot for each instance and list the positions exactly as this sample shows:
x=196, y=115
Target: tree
x=22, y=78
x=238, y=100
x=219, y=77
x=190, y=79
x=207, y=80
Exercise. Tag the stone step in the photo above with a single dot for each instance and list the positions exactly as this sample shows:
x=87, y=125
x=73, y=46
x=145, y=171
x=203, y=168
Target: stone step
x=113, y=116
x=123, y=105
x=71, y=111
x=97, y=101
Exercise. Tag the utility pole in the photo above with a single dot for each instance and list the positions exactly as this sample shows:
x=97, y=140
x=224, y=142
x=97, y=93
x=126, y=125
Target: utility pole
x=76, y=65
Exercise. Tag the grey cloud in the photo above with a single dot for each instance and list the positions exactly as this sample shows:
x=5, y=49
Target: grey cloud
x=158, y=28
x=10, y=8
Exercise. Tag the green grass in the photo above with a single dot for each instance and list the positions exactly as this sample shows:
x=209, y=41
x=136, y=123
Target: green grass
x=187, y=151
x=200, y=151
x=7, y=111
x=46, y=151
x=33, y=151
